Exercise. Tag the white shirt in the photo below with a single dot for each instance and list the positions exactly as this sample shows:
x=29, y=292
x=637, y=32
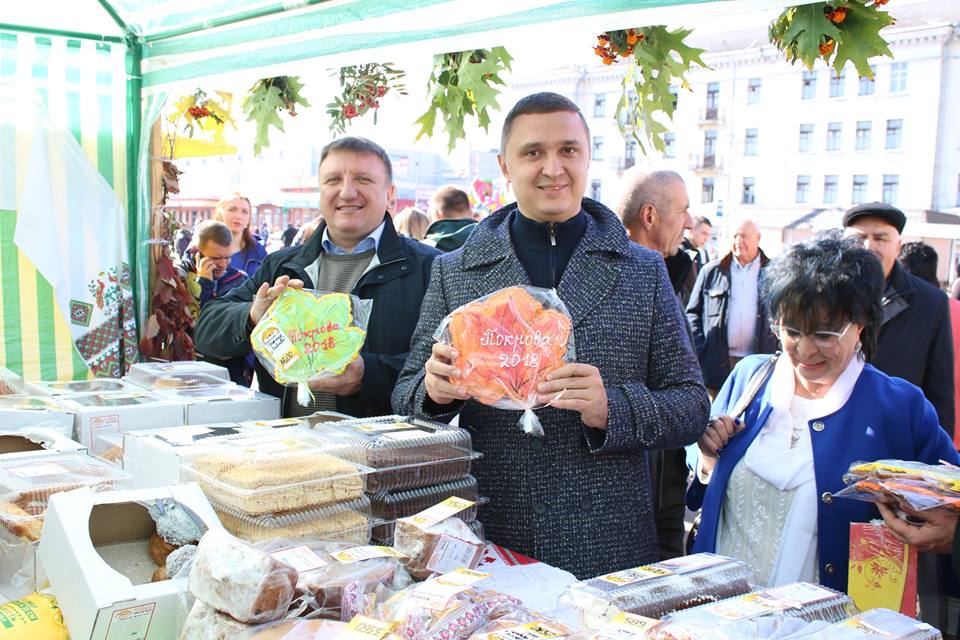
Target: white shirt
x=742, y=307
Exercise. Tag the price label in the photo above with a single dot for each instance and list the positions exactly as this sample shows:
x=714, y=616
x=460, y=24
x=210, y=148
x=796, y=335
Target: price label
x=439, y=512
x=357, y=554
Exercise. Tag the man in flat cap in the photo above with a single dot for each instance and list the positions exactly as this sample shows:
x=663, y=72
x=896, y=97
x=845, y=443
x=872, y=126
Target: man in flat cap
x=915, y=339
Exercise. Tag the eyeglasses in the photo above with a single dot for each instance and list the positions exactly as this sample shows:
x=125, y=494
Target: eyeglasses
x=822, y=339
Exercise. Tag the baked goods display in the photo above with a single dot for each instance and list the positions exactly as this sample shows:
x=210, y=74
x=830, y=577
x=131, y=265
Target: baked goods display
x=437, y=545
x=177, y=375
x=919, y=486
x=655, y=590
x=344, y=522
x=405, y=453
x=878, y=623
x=390, y=506
x=267, y=474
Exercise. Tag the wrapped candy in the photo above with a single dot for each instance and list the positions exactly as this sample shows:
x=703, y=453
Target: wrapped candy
x=922, y=487
x=308, y=334
x=507, y=342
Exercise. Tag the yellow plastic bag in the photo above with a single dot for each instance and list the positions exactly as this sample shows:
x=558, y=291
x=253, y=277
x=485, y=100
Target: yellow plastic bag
x=35, y=617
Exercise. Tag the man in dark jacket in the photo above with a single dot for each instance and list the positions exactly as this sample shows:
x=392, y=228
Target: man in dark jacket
x=915, y=341
x=452, y=219
x=726, y=315
x=288, y=235
x=578, y=497
x=355, y=250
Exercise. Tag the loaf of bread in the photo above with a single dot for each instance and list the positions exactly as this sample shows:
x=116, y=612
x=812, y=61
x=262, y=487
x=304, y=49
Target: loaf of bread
x=237, y=579
x=445, y=546
x=159, y=549
x=345, y=526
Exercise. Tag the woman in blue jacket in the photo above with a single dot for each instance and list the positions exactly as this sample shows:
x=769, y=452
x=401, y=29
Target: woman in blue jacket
x=766, y=481
x=248, y=254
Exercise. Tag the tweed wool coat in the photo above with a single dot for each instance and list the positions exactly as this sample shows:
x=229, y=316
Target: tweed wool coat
x=578, y=498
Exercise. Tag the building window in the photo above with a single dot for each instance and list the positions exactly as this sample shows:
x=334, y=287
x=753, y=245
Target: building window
x=891, y=185
x=803, y=189
x=597, y=150
x=669, y=145
x=868, y=86
x=809, y=91
x=706, y=190
x=898, y=77
x=599, y=105
x=829, y=189
x=750, y=143
x=749, y=191
x=859, y=190
x=834, y=131
x=709, y=148
x=863, y=134
x=806, y=137
x=629, y=153
x=595, y=190
x=713, y=100
x=753, y=91
x=837, y=83
x=675, y=92
x=894, y=133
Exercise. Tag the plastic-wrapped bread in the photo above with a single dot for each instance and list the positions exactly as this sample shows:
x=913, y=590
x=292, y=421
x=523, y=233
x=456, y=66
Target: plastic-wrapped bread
x=390, y=506
x=237, y=579
x=438, y=548
x=206, y=623
x=742, y=616
x=523, y=625
x=462, y=615
x=655, y=590
x=344, y=522
x=878, y=623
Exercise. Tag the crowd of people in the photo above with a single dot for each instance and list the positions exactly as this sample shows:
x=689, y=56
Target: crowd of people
x=850, y=347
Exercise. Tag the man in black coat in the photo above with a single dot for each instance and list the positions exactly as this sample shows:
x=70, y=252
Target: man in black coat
x=357, y=250
x=915, y=341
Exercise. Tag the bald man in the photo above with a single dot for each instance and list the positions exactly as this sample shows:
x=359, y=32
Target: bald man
x=727, y=318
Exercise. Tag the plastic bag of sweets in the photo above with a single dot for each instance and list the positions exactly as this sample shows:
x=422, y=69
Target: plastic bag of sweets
x=35, y=617
x=507, y=342
x=309, y=334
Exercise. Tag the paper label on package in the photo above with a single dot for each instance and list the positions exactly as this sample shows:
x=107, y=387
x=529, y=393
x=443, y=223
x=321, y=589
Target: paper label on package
x=626, y=626
x=131, y=623
x=632, y=576
x=748, y=606
x=182, y=436
x=439, y=512
x=276, y=447
x=529, y=631
x=436, y=594
x=301, y=558
x=867, y=630
x=798, y=595
x=278, y=345
x=683, y=564
x=390, y=426
x=39, y=470
x=450, y=553
x=356, y=554
x=274, y=424
x=401, y=436
x=364, y=628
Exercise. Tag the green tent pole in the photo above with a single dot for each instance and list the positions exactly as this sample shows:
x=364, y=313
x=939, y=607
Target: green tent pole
x=134, y=58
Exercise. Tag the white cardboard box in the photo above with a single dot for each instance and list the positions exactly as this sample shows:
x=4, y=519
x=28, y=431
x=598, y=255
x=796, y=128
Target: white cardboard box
x=18, y=412
x=98, y=601
x=31, y=441
x=97, y=385
x=226, y=403
x=98, y=413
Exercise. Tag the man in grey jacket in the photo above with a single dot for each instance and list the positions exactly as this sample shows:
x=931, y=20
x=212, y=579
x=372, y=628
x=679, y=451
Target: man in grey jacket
x=579, y=497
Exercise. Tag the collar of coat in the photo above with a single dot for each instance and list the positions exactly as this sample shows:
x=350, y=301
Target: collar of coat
x=390, y=247
x=490, y=241
x=727, y=261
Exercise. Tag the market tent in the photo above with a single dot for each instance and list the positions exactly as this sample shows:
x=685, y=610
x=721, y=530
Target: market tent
x=103, y=70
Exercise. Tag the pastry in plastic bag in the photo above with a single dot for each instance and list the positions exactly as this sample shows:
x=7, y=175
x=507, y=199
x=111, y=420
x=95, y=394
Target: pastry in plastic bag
x=507, y=343
x=523, y=625
x=878, y=623
x=439, y=547
x=34, y=617
x=307, y=334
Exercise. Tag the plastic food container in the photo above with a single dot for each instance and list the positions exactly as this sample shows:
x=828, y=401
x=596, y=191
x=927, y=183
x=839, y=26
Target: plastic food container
x=101, y=385
x=177, y=375
x=19, y=412
x=11, y=384
x=655, y=590
x=109, y=447
x=264, y=473
x=406, y=453
x=878, y=623
x=392, y=505
x=344, y=522
x=27, y=483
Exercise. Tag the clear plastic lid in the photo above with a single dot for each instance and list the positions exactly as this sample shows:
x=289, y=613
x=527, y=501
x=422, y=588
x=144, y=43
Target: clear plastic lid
x=30, y=403
x=115, y=399
x=345, y=522
x=27, y=483
x=407, y=453
x=100, y=385
x=11, y=384
x=108, y=446
x=392, y=505
x=655, y=590
x=284, y=470
x=178, y=375
x=212, y=394
x=879, y=623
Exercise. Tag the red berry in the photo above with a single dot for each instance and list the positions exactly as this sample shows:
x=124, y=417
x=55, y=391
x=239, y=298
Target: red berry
x=381, y=90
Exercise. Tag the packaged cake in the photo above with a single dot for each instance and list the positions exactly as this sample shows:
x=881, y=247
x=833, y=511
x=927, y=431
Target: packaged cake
x=345, y=522
x=878, y=623
x=177, y=375
x=405, y=453
x=390, y=506
x=98, y=385
x=437, y=541
x=658, y=589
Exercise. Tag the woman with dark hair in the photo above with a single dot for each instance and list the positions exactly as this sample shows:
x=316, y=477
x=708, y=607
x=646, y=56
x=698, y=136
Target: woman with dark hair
x=766, y=478
x=235, y=211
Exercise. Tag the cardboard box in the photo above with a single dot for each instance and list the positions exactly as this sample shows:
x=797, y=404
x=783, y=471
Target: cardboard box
x=883, y=570
x=19, y=412
x=94, y=549
x=33, y=441
x=98, y=413
x=226, y=403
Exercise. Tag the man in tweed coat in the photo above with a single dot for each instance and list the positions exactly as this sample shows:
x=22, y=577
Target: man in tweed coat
x=579, y=497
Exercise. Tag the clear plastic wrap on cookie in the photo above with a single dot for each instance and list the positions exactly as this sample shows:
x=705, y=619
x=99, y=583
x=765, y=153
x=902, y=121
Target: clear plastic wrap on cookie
x=919, y=486
x=307, y=335
x=507, y=343
x=458, y=618
x=438, y=548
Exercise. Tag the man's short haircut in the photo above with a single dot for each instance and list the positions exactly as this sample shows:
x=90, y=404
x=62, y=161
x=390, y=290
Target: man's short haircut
x=699, y=220
x=645, y=188
x=539, y=103
x=356, y=144
x=921, y=260
x=213, y=231
x=449, y=200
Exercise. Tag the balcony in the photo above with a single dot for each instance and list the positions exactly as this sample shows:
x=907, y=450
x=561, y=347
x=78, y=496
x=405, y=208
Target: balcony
x=710, y=117
x=620, y=163
x=704, y=165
